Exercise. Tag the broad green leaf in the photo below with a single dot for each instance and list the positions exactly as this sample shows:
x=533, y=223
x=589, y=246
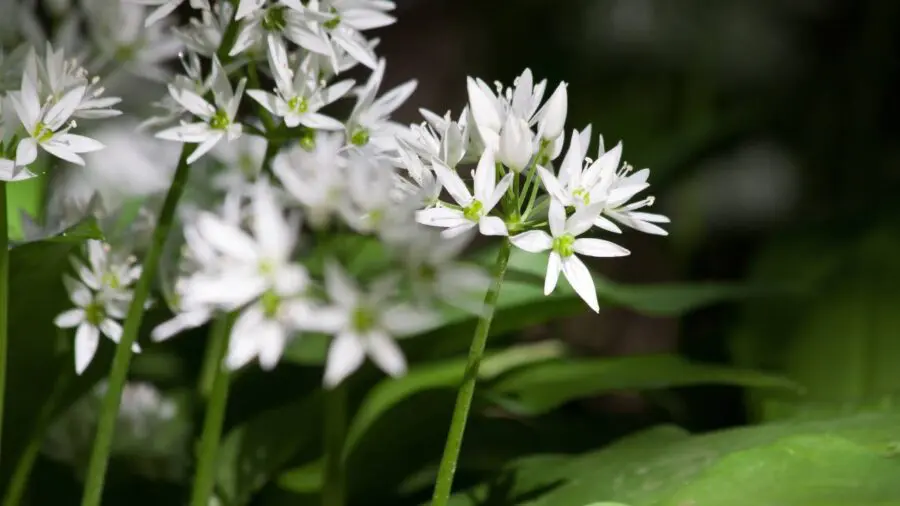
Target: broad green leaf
x=545, y=386
x=446, y=374
x=25, y=196
x=253, y=453
x=851, y=460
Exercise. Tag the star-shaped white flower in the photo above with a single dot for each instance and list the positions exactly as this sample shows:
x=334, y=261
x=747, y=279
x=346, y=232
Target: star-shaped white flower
x=218, y=120
x=578, y=185
x=563, y=243
x=474, y=210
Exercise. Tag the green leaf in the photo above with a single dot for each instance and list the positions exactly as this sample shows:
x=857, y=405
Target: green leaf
x=446, y=374
x=546, y=386
x=849, y=460
x=254, y=452
x=25, y=196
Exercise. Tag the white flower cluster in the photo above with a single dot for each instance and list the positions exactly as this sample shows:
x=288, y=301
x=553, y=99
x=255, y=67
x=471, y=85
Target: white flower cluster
x=41, y=114
x=295, y=178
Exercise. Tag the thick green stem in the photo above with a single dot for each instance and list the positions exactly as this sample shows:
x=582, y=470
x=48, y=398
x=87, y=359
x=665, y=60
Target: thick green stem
x=444, y=484
x=335, y=434
x=96, y=473
x=204, y=480
x=4, y=299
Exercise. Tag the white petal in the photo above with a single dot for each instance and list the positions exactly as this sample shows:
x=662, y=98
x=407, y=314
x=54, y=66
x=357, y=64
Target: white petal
x=62, y=110
x=205, y=146
x=63, y=153
x=492, y=225
x=453, y=183
x=272, y=338
x=87, y=338
x=227, y=238
x=404, y=319
x=269, y=225
x=553, y=119
x=26, y=152
x=386, y=354
x=554, y=265
x=557, y=218
x=553, y=185
x=267, y=100
x=441, y=217
x=599, y=248
x=111, y=329
x=242, y=344
x=70, y=318
x=501, y=188
x=390, y=101
x=192, y=102
x=485, y=177
x=581, y=280
x=228, y=290
x=162, y=11
x=583, y=219
x=320, y=122
x=345, y=355
x=605, y=224
x=75, y=143
x=533, y=241
x=178, y=324
x=365, y=19
x=340, y=287
x=191, y=132
x=458, y=230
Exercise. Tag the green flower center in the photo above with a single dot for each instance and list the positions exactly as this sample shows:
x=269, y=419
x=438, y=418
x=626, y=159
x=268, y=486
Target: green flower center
x=427, y=272
x=220, y=120
x=125, y=52
x=332, y=23
x=266, y=267
x=41, y=133
x=274, y=20
x=564, y=245
x=298, y=105
x=375, y=216
x=111, y=280
x=359, y=137
x=582, y=195
x=270, y=302
x=247, y=165
x=473, y=211
x=363, y=319
x=94, y=313
x=308, y=140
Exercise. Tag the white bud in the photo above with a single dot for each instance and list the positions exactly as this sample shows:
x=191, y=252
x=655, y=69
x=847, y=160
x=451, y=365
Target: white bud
x=553, y=119
x=516, y=143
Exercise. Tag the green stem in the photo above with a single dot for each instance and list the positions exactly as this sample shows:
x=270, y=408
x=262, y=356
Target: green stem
x=96, y=473
x=444, y=483
x=204, y=480
x=335, y=433
x=4, y=299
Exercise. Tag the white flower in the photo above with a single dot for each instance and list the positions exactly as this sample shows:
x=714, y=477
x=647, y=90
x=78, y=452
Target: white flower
x=623, y=186
x=166, y=7
x=101, y=301
x=563, y=243
x=315, y=177
x=218, y=121
x=246, y=266
x=279, y=19
x=243, y=161
x=489, y=110
x=300, y=96
x=369, y=184
x=578, y=185
x=553, y=114
x=516, y=143
x=364, y=324
x=206, y=35
x=474, y=209
x=369, y=121
x=436, y=273
x=45, y=125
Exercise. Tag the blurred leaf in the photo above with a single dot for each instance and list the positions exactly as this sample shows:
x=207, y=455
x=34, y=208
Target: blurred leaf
x=545, y=386
x=253, y=453
x=303, y=479
x=849, y=460
x=27, y=196
x=841, y=343
x=445, y=374
x=40, y=355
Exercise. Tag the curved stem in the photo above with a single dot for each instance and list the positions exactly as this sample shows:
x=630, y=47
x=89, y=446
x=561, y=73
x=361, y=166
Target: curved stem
x=335, y=434
x=204, y=480
x=96, y=473
x=4, y=299
x=444, y=484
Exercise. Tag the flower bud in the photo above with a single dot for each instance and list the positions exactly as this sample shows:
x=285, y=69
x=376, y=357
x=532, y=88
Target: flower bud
x=516, y=143
x=553, y=119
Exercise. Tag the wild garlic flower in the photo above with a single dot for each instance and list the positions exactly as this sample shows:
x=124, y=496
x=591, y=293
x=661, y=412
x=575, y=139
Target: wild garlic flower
x=101, y=296
x=365, y=323
x=166, y=7
x=299, y=95
x=471, y=210
x=274, y=21
x=369, y=120
x=437, y=275
x=315, y=178
x=218, y=121
x=563, y=242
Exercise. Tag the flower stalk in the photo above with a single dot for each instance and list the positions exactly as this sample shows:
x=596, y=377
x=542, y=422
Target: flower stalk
x=204, y=480
x=4, y=300
x=99, y=459
x=444, y=484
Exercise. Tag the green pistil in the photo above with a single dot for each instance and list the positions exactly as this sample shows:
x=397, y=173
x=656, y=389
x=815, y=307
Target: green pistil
x=308, y=140
x=111, y=280
x=270, y=302
x=359, y=137
x=274, y=19
x=363, y=319
x=266, y=267
x=220, y=120
x=298, y=105
x=581, y=194
x=94, y=314
x=41, y=133
x=473, y=211
x=375, y=216
x=564, y=245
